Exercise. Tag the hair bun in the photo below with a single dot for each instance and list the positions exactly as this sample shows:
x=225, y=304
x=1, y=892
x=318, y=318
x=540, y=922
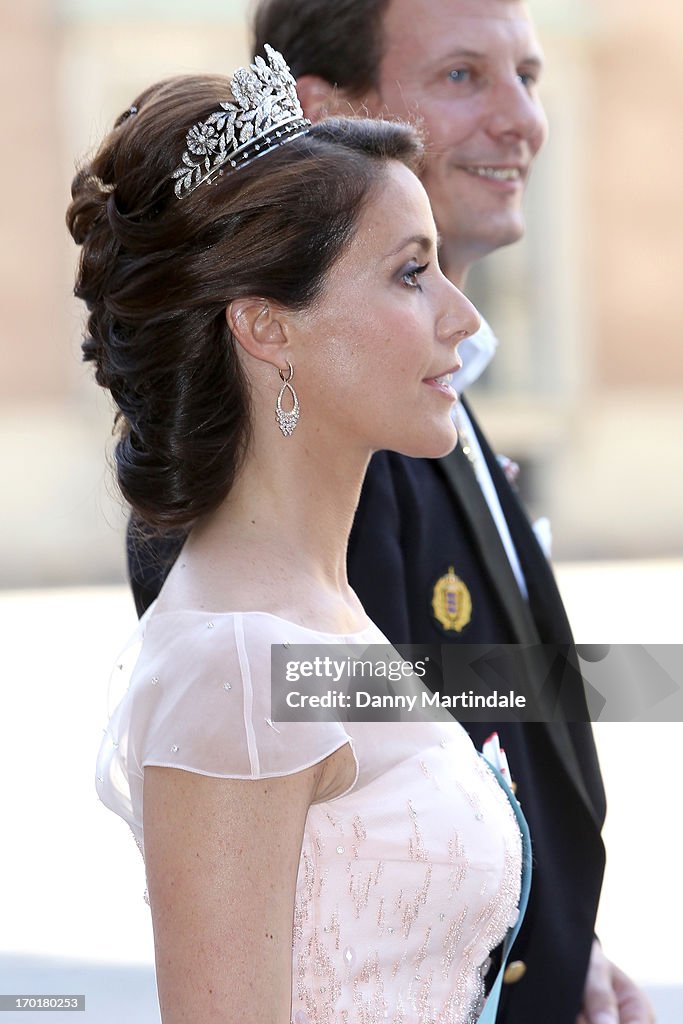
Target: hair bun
x=89, y=201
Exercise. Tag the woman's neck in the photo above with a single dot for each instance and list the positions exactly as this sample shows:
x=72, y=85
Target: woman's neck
x=280, y=538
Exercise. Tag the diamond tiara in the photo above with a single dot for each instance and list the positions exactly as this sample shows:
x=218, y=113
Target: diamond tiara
x=265, y=113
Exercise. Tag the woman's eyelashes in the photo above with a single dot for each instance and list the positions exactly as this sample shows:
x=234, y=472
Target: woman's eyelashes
x=411, y=275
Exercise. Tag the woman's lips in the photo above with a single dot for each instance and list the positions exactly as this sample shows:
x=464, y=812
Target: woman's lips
x=443, y=384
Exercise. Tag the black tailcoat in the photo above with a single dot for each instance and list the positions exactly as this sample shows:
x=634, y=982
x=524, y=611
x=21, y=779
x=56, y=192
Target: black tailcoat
x=416, y=518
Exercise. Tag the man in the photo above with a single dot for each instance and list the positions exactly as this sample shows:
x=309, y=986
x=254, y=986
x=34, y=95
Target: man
x=468, y=69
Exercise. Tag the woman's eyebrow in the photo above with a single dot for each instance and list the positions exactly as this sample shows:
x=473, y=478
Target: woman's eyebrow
x=423, y=241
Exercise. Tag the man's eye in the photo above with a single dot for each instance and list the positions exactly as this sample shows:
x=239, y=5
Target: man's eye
x=459, y=74
x=527, y=78
x=410, y=277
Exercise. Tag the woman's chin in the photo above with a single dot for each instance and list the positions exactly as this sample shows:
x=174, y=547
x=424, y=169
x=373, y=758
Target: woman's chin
x=434, y=445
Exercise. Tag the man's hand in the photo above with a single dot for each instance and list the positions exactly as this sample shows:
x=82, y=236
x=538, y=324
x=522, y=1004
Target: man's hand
x=610, y=997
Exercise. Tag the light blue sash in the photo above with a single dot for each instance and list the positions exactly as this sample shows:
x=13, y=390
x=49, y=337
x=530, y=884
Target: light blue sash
x=488, y=1014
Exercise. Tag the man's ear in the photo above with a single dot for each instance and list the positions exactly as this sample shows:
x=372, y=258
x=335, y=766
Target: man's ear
x=320, y=99
x=260, y=329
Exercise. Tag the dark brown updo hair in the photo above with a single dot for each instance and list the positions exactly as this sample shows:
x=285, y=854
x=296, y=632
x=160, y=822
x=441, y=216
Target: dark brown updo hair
x=157, y=272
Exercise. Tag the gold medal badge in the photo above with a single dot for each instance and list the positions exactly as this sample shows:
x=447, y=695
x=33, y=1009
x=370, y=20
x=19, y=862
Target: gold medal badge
x=451, y=602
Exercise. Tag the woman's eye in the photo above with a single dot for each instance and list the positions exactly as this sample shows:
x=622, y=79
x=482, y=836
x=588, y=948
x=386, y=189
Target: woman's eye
x=459, y=74
x=410, y=277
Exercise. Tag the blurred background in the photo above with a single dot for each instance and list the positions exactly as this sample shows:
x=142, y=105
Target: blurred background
x=585, y=393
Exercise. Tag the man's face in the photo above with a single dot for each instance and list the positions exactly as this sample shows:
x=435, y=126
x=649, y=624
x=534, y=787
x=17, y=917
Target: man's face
x=469, y=70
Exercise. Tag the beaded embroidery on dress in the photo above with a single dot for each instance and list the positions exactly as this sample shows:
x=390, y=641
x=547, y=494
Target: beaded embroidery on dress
x=406, y=881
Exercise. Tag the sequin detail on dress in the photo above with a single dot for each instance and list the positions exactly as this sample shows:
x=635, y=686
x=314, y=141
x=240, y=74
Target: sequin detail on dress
x=403, y=926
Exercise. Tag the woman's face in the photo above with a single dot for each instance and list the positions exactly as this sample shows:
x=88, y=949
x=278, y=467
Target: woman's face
x=370, y=356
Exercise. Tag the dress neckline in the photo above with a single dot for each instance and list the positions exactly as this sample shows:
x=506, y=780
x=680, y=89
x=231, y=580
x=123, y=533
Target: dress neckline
x=270, y=615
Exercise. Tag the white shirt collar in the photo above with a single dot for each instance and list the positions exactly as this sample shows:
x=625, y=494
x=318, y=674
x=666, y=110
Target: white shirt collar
x=476, y=353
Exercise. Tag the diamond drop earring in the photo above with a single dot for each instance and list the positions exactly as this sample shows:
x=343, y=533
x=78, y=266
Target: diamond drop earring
x=287, y=420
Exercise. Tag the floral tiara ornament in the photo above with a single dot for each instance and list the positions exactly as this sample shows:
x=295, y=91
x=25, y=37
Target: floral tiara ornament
x=265, y=114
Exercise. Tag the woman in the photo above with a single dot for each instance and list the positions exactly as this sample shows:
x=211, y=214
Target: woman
x=266, y=308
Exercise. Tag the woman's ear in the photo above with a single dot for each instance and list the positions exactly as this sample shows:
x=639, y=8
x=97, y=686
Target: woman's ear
x=260, y=329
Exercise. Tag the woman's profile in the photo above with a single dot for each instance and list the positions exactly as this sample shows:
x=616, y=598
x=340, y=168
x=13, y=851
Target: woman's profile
x=266, y=308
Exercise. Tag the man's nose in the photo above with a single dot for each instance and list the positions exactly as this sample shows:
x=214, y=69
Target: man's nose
x=515, y=111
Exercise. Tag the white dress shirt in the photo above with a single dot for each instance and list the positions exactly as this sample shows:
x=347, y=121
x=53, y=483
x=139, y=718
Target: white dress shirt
x=476, y=353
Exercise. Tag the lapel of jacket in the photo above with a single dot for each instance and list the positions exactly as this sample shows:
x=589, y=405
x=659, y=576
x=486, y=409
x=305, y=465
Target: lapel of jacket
x=547, y=609
x=458, y=470
x=543, y=619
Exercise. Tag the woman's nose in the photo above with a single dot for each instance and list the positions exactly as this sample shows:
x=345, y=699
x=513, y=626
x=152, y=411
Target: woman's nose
x=460, y=320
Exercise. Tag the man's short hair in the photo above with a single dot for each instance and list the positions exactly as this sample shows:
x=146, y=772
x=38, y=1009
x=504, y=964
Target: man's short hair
x=339, y=40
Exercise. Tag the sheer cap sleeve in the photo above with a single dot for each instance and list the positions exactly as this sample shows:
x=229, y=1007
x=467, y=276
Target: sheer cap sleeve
x=199, y=700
